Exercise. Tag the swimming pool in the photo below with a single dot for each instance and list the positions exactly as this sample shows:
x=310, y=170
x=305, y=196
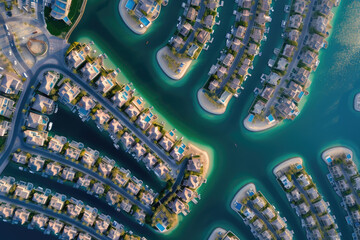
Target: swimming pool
x=147, y=119
x=144, y=21
x=130, y=4
x=251, y=118
x=301, y=94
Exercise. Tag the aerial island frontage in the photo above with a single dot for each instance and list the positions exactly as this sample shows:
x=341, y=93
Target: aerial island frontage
x=138, y=15
x=242, y=45
x=191, y=37
x=307, y=28
x=263, y=219
x=222, y=234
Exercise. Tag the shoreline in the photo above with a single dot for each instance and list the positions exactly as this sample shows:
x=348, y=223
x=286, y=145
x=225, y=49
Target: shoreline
x=204, y=155
x=357, y=102
x=209, y=107
x=129, y=21
x=241, y=194
x=335, y=152
x=283, y=166
x=163, y=65
x=258, y=126
x=215, y=233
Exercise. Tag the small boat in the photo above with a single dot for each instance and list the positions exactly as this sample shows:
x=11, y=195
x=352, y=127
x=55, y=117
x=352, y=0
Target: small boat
x=50, y=126
x=147, y=42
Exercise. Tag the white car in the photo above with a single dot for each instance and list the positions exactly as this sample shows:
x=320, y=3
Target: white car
x=15, y=62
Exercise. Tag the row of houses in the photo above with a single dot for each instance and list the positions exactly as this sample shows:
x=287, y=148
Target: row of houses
x=76, y=209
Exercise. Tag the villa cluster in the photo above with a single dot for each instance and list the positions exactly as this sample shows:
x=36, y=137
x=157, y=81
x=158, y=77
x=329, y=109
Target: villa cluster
x=265, y=222
x=304, y=197
x=222, y=234
x=306, y=30
x=64, y=207
x=192, y=34
x=345, y=179
x=242, y=45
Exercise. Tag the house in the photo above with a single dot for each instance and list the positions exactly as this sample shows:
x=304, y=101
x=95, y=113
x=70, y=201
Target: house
x=166, y=143
x=145, y=119
x=194, y=165
x=55, y=226
x=287, y=108
x=265, y=5
x=282, y=64
x=288, y=51
x=39, y=221
x=178, y=152
x=303, y=208
x=89, y=215
x=257, y=225
x=127, y=140
x=4, y=128
x=294, y=91
x=102, y=223
x=53, y=169
x=252, y=49
x=315, y=41
x=262, y=19
x=244, y=4
x=121, y=97
x=149, y=160
x=68, y=92
x=176, y=206
x=84, y=181
x=10, y=84
x=222, y=71
x=320, y=24
x=6, y=184
x=161, y=171
x=302, y=76
x=185, y=28
x=278, y=224
x=350, y=200
x=186, y=194
x=295, y=21
x=74, y=208
x=6, y=210
x=245, y=16
x=68, y=174
x=90, y=71
x=135, y=107
x=293, y=35
x=6, y=107
x=105, y=166
x=213, y=5
x=258, y=107
x=259, y=202
x=114, y=127
x=57, y=143
x=133, y=188
x=310, y=221
x=121, y=178
x=324, y=7
x=40, y=198
x=327, y=220
x=74, y=149
x=336, y=171
x=57, y=201
x=203, y=36
x=35, y=137
x=36, y=163
x=147, y=198
x=320, y=206
x=267, y=93
x=115, y=232
x=19, y=158
x=269, y=213
x=37, y=121
x=42, y=104
x=312, y=193
x=106, y=83
x=195, y=3
x=213, y=85
x=228, y=60
x=256, y=35
x=191, y=14
x=48, y=82
x=69, y=232
x=240, y=32
x=89, y=156
x=126, y=205
x=154, y=133
x=192, y=181
x=309, y=58
x=112, y=197
x=75, y=58
x=209, y=21
x=101, y=117
x=85, y=105
x=178, y=43
x=139, y=150
x=192, y=50
x=286, y=182
x=21, y=216
x=98, y=188
x=273, y=79
x=60, y=10
x=299, y=6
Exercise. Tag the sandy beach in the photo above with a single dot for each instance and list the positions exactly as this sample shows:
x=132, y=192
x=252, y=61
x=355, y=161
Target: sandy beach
x=241, y=194
x=203, y=155
x=357, y=102
x=209, y=106
x=335, y=152
x=217, y=233
x=129, y=20
x=258, y=126
x=284, y=166
x=164, y=67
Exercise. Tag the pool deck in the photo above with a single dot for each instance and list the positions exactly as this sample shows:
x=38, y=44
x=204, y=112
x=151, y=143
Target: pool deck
x=257, y=126
x=335, y=152
x=163, y=65
x=241, y=194
x=357, y=102
x=209, y=106
x=284, y=166
x=215, y=234
x=129, y=20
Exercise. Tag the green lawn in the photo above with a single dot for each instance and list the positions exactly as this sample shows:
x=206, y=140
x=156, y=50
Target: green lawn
x=60, y=28
x=2, y=143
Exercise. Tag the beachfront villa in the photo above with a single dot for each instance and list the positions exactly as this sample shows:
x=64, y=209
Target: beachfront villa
x=135, y=107
x=154, y=133
x=60, y=10
x=6, y=107
x=57, y=143
x=10, y=84
x=90, y=70
x=48, y=82
x=145, y=119
x=176, y=206
x=178, y=152
x=35, y=137
x=85, y=105
x=194, y=165
x=121, y=97
x=77, y=57
x=106, y=83
x=68, y=92
x=43, y=104
x=167, y=142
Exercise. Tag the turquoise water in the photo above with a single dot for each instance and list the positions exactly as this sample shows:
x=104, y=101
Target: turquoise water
x=327, y=117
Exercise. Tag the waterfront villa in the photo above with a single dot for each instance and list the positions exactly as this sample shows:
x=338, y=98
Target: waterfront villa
x=90, y=71
x=138, y=150
x=154, y=133
x=37, y=121
x=10, y=84
x=76, y=58
x=85, y=105
x=105, y=166
x=133, y=188
x=121, y=97
x=68, y=92
x=135, y=107
x=60, y=10
x=19, y=158
x=40, y=198
x=69, y=232
x=35, y=137
x=53, y=169
x=6, y=210
x=74, y=208
x=57, y=201
x=36, y=163
x=57, y=143
x=121, y=179
x=89, y=156
x=89, y=215
x=114, y=127
x=106, y=83
x=74, y=150
x=6, y=184
x=178, y=152
x=4, y=128
x=167, y=141
x=23, y=191
x=98, y=188
x=126, y=205
x=21, y=216
x=55, y=226
x=176, y=206
x=194, y=165
x=48, y=82
x=185, y=194
x=39, y=221
x=161, y=171
x=102, y=117
x=84, y=182
x=68, y=174
x=102, y=223
x=147, y=198
x=43, y=104
x=192, y=181
x=127, y=140
x=6, y=107
x=149, y=160
x=112, y=197
x=145, y=119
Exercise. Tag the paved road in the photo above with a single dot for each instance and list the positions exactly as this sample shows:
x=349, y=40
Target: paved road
x=78, y=167
x=50, y=213
x=241, y=51
x=295, y=61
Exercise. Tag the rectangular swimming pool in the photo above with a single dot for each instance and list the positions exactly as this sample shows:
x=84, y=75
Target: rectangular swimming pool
x=130, y=4
x=144, y=21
